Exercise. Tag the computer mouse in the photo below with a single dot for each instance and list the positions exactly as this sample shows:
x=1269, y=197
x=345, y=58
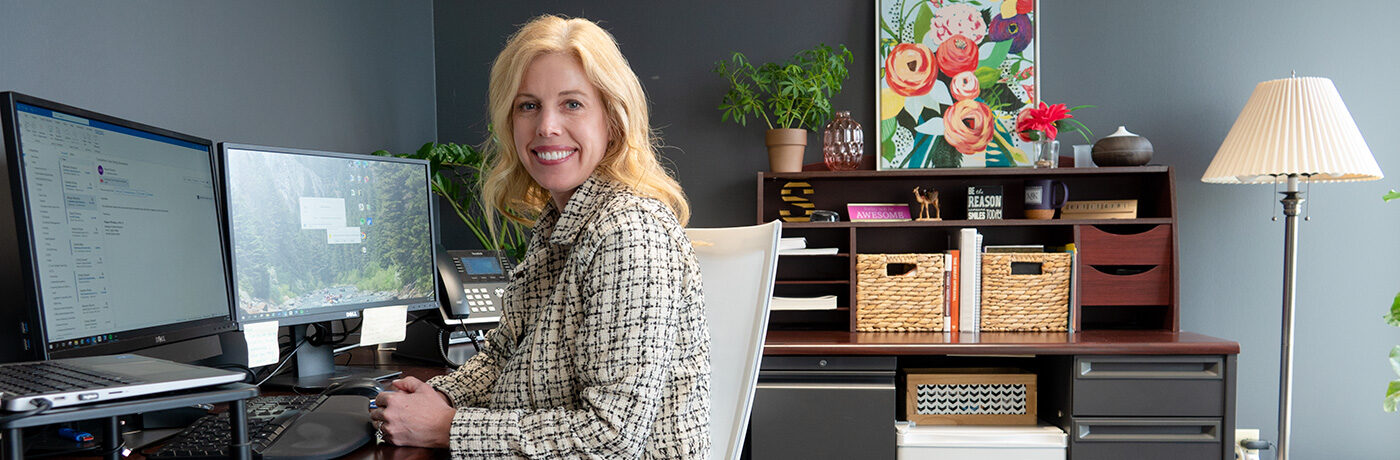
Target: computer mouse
x=368, y=388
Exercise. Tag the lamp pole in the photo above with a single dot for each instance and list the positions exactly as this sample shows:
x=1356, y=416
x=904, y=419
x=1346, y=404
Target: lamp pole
x=1292, y=200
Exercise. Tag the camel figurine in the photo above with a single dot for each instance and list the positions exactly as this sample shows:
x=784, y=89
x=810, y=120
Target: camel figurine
x=927, y=197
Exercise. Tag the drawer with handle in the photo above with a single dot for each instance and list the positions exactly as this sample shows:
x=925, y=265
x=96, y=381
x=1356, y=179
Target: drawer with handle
x=1181, y=386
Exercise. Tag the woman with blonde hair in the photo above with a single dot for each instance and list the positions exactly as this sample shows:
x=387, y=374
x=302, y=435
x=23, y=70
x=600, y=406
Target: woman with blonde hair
x=602, y=349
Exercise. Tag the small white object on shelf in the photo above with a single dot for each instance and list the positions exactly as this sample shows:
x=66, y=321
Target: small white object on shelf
x=795, y=242
x=808, y=252
x=826, y=302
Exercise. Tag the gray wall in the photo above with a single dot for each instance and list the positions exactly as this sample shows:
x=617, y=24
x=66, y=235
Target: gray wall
x=1175, y=72
x=352, y=76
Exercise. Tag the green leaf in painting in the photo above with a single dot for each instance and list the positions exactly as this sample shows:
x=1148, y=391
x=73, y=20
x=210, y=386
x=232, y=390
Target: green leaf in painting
x=887, y=128
x=998, y=54
x=944, y=155
x=1391, y=195
x=922, y=22
x=1001, y=98
x=986, y=76
x=887, y=149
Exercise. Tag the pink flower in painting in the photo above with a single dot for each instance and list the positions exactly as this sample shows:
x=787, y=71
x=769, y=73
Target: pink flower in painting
x=964, y=86
x=960, y=19
x=967, y=126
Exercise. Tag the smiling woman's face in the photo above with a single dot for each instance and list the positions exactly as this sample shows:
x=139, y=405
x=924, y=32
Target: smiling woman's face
x=560, y=125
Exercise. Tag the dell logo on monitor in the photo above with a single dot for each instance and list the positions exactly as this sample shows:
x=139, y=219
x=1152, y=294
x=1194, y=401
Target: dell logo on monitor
x=160, y=339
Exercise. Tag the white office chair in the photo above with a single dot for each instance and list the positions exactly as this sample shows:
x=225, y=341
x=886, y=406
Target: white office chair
x=738, y=265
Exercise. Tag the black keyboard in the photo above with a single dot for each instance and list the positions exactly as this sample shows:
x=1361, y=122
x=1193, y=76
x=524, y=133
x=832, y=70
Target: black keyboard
x=51, y=376
x=280, y=427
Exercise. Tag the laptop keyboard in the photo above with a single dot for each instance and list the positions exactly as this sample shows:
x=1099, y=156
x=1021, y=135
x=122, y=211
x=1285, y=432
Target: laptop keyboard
x=45, y=377
x=268, y=417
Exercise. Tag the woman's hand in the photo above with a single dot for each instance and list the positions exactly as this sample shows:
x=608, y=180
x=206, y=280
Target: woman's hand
x=413, y=414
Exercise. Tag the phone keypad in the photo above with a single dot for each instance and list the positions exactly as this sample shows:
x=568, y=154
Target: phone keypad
x=480, y=300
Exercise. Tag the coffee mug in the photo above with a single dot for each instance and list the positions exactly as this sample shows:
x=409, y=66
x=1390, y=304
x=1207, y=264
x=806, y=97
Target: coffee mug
x=1043, y=197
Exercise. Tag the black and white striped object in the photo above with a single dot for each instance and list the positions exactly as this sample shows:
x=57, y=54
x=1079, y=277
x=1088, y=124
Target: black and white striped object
x=981, y=399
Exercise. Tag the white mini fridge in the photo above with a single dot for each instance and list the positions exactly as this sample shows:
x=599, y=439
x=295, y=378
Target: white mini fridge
x=967, y=442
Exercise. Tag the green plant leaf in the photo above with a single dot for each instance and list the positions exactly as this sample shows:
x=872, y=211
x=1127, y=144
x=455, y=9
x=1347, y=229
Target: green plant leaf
x=1391, y=195
x=1392, y=396
x=986, y=76
x=922, y=21
x=1395, y=359
x=1000, y=97
x=1393, y=318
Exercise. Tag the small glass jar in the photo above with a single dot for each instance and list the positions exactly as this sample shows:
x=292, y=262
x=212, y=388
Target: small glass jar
x=843, y=143
x=1047, y=153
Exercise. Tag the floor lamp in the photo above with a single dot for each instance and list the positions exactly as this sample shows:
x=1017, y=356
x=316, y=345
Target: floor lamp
x=1297, y=130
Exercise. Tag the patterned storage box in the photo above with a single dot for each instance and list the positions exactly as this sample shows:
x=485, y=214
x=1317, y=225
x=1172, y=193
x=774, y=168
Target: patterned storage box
x=980, y=396
x=899, y=292
x=1034, y=301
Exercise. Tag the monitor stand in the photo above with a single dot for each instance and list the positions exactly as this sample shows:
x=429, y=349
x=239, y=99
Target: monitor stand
x=316, y=369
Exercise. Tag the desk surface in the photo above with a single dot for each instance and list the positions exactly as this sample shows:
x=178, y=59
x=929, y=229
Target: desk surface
x=995, y=343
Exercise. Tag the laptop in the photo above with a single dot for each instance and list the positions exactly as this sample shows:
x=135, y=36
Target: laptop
x=87, y=380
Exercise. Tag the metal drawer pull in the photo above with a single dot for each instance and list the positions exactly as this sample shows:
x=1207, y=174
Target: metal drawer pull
x=1148, y=431
x=1177, y=369
x=823, y=386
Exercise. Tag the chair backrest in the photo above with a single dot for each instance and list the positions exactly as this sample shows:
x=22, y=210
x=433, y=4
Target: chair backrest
x=738, y=265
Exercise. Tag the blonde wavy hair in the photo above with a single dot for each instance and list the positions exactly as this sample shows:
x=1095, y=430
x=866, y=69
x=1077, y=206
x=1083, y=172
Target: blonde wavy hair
x=630, y=158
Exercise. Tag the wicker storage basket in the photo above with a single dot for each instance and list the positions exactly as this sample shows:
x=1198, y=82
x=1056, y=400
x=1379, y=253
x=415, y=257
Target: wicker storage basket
x=907, y=301
x=980, y=396
x=1038, y=302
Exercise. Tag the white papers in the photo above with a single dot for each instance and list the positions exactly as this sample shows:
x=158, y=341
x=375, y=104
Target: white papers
x=383, y=325
x=826, y=302
x=807, y=252
x=795, y=242
x=261, y=339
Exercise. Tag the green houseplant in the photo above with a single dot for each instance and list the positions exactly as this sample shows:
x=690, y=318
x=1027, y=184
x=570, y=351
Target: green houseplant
x=457, y=171
x=1392, y=392
x=790, y=97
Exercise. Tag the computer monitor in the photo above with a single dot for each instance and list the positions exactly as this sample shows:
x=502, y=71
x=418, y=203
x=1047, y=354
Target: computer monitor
x=320, y=236
x=113, y=241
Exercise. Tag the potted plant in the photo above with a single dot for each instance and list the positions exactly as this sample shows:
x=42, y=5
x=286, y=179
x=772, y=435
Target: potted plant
x=456, y=171
x=791, y=97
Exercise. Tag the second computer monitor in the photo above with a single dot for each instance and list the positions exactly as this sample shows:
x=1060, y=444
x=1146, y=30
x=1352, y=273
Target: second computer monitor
x=319, y=236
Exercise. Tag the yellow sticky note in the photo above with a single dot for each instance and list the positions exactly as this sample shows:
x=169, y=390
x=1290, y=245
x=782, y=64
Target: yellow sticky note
x=383, y=325
x=261, y=339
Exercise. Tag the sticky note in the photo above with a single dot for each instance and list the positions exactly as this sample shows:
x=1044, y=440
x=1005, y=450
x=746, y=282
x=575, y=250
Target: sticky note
x=262, y=343
x=383, y=325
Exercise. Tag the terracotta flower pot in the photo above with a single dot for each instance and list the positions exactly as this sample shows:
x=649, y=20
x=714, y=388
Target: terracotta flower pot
x=785, y=149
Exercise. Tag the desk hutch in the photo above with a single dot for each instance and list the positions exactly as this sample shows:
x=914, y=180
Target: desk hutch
x=1125, y=383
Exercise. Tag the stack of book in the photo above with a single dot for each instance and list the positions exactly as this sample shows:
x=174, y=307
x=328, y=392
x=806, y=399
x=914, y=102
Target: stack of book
x=797, y=246
x=962, y=267
x=1099, y=209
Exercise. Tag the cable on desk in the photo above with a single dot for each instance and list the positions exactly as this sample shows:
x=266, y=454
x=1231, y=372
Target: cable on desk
x=252, y=376
x=40, y=405
x=284, y=362
x=83, y=451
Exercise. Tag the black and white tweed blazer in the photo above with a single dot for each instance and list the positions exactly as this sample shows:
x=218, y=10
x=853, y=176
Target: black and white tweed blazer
x=602, y=350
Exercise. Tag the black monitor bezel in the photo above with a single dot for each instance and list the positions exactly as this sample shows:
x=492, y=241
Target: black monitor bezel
x=349, y=311
x=123, y=341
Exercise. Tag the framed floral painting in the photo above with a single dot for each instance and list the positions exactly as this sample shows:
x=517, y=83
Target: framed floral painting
x=951, y=78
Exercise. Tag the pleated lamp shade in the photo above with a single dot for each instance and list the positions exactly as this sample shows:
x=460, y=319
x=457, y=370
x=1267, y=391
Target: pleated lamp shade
x=1293, y=126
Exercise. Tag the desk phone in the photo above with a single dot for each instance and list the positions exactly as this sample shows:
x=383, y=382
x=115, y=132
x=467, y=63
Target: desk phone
x=475, y=281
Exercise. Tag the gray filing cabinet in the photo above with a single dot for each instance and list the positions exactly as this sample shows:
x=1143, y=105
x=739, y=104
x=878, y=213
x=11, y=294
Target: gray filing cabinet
x=812, y=407
x=1152, y=407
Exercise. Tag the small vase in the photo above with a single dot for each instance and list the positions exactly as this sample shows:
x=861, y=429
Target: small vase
x=1047, y=153
x=843, y=143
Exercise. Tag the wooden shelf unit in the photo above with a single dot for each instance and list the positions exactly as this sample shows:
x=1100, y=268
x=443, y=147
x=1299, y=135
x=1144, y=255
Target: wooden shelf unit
x=1128, y=278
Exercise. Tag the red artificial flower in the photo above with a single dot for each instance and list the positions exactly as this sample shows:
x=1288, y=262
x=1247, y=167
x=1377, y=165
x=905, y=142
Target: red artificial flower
x=1043, y=119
